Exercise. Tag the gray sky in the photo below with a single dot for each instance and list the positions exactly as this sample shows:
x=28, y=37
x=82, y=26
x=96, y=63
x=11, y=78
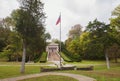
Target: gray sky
x=73, y=12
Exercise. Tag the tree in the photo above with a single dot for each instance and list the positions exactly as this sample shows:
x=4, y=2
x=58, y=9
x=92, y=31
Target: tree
x=72, y=43
x=115, y=25
x=29, y=21
x=114, y=52
x=100, y=35
x=13, y=50
x=75, y=48
x=75, y=31
x=116, y=11
x=67, y=42
x=4, y=35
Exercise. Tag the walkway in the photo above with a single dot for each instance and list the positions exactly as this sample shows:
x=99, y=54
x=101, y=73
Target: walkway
x=78, y=77
x=53, y=56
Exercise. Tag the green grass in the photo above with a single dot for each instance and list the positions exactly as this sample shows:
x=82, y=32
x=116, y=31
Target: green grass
x=101, y=75
x=51, y=78
x=100, y=72
x=12, y=71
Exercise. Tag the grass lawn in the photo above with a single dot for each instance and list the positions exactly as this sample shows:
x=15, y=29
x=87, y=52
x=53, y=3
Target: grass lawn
x=51, y=78
x=100, y=72
x=102, y=75
x=12, y=71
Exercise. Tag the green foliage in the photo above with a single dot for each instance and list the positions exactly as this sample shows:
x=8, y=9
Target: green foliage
x=4, y=37
x=9, y=40
x=98, y=40
x=72, y=57
x=115, y=25
x=116, y=11
x=43, y=57
x=91, y=48
x=66, y=57
x=13, y=50
x=68, y=54
x=75, y=50
x=93, y=42
x=29, y=23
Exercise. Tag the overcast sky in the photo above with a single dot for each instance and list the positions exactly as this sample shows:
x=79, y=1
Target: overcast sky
x=72, y=12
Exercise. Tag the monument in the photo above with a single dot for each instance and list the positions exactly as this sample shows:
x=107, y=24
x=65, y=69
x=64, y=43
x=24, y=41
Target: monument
x=53, y=54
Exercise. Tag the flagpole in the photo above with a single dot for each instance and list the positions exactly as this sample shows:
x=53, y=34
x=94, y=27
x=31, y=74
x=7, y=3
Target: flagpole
x=60, y=41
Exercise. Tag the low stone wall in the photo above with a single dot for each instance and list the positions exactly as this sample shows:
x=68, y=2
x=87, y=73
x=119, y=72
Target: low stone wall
x=66, y=68
x=86, y=68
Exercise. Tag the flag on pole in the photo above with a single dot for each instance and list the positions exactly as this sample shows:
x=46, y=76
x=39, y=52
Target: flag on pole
x=59, y=20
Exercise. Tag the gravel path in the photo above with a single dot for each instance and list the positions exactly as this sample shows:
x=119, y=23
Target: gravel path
x=78, y=77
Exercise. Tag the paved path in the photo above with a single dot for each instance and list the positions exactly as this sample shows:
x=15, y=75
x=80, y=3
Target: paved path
x=78, y=77
x=53, y=56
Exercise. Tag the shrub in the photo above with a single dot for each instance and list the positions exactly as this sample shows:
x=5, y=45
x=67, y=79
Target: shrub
x=65, y=57
x=43, y=57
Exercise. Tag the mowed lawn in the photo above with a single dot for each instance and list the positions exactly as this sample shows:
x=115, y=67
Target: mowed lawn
x=100, y=72
x=51, y=78
x=12, y=71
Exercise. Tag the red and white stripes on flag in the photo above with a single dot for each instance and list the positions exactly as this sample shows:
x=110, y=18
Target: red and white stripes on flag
x=59, y=20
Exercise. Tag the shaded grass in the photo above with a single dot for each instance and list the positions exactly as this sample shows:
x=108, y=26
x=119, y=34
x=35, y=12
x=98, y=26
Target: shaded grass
x=51, y=78
x=9, y=63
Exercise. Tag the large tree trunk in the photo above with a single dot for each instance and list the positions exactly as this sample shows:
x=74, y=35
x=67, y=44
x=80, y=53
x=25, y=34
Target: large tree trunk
x=22, y=70
x=107, y=60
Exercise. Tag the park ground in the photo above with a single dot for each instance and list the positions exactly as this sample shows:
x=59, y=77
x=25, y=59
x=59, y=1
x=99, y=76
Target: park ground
x=100, y=72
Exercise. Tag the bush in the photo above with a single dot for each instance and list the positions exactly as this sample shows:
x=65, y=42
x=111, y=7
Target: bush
x=72, y=57
x=66, y=58
x=43, y=57
x=67, y=54
x=77, y=58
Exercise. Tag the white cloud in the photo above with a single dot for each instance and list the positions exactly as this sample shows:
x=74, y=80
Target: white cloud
x=6, y=7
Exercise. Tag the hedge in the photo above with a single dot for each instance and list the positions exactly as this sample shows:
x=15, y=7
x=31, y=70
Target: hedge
x=43, y=57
